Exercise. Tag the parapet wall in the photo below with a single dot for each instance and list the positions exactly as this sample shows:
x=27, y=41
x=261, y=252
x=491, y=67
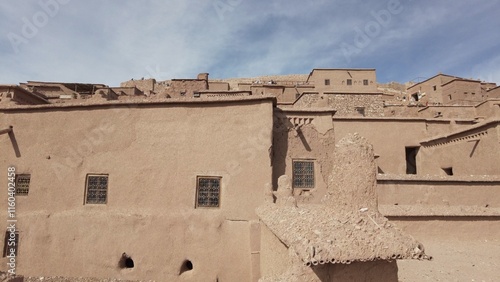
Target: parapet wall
x=410, y=195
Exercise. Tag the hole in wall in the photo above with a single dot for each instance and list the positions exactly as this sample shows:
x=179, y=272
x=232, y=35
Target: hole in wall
x=126, y=261
x=448, y=170
x=187, y=265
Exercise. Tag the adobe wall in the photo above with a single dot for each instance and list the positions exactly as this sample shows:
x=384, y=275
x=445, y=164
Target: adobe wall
x=143, y=84
x=347, y=104
x=493, y=93
x=489, y=108
x=427, y=87
x=179, y=87
x=303, y=136
x=469, y=153
x=389, y=138
x=438, y=196
x=218, y=86
x=447, y=112
x=462, y=90
x=338, y=80
x=153, y=154
x=274, y=255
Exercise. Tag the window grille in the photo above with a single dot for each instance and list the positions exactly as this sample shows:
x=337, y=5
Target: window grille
x=208, y=192
x=303, y=174
x=22, y=184
x=97, y=189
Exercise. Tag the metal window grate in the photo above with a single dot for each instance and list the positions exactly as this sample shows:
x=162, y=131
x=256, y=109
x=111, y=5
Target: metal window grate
x=22, y=184
x=208, y=192
x=97, y=189
x=303, y=174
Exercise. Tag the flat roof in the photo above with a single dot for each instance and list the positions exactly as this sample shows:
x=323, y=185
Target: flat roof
x=144, y=102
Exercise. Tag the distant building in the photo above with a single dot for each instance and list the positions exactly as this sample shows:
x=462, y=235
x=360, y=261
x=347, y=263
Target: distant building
x=188, y=179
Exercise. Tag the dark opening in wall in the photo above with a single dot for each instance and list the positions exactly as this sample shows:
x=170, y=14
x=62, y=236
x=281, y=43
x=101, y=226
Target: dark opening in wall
x=448, y=170
x=126, y=261
x=379, y=170
x=411, y=160
x=187, y=265
x=415, y=97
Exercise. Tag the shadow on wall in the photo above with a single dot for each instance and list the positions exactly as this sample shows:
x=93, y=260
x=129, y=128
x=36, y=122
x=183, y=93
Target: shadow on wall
x=13, y=140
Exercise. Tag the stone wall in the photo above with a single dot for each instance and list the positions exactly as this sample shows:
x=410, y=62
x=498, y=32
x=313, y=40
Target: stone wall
x=355, y=104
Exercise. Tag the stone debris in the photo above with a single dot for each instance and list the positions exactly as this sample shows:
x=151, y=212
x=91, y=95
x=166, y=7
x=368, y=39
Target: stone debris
x=347, y=227
x=321, y=235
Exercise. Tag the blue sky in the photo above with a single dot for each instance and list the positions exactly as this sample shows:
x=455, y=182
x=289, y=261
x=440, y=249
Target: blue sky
x=104, y=41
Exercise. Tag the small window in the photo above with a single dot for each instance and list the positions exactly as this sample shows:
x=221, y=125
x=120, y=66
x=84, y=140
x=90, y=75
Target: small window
x=327, y=82
x=183, y=93
x=196, y=94
x=208, y=192
x=365, y=81
x=303, y=174
x=11, y=243
x=449, y=97
x=434, y=87
x=97, y=189
x=349, y=82
x=465, y=93
x=22, y=184
x=473, y=93
x=411, y=159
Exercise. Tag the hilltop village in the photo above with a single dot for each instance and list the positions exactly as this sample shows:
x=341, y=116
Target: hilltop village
x=326, y=176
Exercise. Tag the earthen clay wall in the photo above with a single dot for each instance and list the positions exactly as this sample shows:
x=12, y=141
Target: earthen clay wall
x=369, y=105
x=431, y=96
x=218, y=86
x=462, y=90
x=338, y=80
x=494, y=93
x=152, y=154
x=447, y=112
x=179, y=88
x=468, y=153
x=143, y=84
x=488, y=109
x=303, y=136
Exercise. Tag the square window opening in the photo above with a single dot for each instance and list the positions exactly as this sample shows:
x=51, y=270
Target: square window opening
x=96, y=189
x=349, y=82
x=365, y=81
x=327, y=82
x=303, y=174
x=208, y=192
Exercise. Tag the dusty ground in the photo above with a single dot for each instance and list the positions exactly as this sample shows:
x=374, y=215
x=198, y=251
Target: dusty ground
x=455, y=260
